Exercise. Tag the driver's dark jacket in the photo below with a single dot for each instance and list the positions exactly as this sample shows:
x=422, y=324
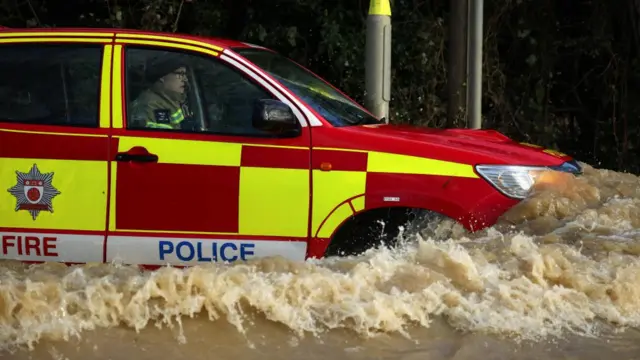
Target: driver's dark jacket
x=159, y=108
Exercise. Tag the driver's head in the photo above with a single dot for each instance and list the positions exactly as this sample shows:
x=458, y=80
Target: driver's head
x=169, y=72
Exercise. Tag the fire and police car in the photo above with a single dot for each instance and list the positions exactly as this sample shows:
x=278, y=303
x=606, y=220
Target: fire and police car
x=284, y=164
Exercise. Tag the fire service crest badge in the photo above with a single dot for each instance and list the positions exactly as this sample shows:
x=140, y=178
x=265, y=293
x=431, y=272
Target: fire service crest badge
x=34, y=191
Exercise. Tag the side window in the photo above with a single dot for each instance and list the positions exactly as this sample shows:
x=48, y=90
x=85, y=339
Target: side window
x=189, y=92
x=55, y=84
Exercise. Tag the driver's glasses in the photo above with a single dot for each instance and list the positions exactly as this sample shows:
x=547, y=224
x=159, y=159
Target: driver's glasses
x=181, y=74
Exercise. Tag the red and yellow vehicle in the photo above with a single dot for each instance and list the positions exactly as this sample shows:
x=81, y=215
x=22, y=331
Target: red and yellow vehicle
x=275, y=160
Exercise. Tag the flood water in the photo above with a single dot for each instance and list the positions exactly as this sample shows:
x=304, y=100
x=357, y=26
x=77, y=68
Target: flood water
x=557, y=278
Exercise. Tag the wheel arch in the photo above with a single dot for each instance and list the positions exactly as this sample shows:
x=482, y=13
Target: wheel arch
x=395, y=211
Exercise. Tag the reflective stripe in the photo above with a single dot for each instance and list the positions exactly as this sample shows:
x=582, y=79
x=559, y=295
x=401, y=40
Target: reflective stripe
x=169, y=38
x=53, y=133
x=52, y=39
x=153, y=125
x=167, y=44
x=531, y=145
x=405, y=164
x=116, y=89
x=54, y=33
x=177, y=117
x=177, y=151
x=555, y=153
x=105, y=87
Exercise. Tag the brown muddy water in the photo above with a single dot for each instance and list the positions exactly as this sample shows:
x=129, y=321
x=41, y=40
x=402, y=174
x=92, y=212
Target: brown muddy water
x=557, y=278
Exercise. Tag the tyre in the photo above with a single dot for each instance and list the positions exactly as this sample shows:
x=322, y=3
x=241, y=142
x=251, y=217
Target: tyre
x=386, y=227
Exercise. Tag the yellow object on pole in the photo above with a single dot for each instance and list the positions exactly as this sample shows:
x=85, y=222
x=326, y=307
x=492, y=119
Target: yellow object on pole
x=380, y=7
x=378, y=59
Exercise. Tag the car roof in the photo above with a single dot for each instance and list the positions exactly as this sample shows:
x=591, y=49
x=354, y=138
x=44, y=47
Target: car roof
x=222, y=42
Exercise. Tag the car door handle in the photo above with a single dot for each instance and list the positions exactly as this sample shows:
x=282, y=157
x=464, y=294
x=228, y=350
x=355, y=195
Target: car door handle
x=137, y=154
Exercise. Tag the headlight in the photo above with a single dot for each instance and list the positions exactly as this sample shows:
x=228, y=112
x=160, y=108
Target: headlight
x=516, y=181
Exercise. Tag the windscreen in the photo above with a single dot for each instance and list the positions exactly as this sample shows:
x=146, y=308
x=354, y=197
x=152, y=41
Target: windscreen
x=336, y=108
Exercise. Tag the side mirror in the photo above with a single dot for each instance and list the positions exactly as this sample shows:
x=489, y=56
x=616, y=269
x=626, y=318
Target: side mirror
x=276, y=117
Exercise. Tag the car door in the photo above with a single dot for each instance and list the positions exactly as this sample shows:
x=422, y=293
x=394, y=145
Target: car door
x=220, y=190
x=54, y=146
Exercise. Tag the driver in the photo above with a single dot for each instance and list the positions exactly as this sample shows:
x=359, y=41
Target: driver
x=163, y=105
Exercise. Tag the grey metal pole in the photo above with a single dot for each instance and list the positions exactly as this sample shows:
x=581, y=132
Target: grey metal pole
x=457, y=81
x=378, y=59
x=475, y=38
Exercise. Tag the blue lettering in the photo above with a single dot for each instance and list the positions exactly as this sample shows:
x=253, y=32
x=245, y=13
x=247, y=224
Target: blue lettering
x=187, y=251
x=200, y=257
x=244, y=250
x=214, y=251
x=188, y=245
x=223, y=247
x=165, y=247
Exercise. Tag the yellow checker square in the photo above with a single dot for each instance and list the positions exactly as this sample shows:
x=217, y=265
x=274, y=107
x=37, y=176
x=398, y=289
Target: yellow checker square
x=405, y=164
x=330, y=188
x=53, y=194
x=274, y=202
x=175, y=151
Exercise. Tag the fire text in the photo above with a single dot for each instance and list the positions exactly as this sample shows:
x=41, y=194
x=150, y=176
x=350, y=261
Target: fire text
x=29, y=245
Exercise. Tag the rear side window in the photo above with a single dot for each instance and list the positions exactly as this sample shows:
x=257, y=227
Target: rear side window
x=57, y=84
